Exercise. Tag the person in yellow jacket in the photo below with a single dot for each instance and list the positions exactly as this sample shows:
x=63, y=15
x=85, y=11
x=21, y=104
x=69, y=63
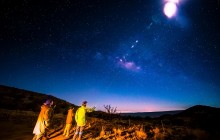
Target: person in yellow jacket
x=69, y=121
x=80, y=118
x=43, y=120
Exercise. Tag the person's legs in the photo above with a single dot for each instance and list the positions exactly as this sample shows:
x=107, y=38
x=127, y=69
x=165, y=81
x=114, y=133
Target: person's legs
x=68, y=129
x=76, y=132
x=39, y=137
x=34, y=138
x=80, y=132
x=45, y=133
x=64, y=132
x=46, y=129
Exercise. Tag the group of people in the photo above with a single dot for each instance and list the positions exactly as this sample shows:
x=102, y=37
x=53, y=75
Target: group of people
x=46, y=113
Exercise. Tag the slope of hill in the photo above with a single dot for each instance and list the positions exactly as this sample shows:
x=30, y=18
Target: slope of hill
x=19, y=111
x=200, y=116
x=19, y=99
x=199, y=110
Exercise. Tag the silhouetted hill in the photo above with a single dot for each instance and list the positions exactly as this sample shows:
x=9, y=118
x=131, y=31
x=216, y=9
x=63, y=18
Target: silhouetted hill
x=19, y=99
x=200, y=110
x=201, y=116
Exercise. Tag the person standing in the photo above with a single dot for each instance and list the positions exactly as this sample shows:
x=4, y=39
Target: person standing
x=80, y=118
x=43, y=120
x=69, y=121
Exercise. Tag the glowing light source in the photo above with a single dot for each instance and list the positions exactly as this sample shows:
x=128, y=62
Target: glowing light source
x=170, y=9
x=173, y=1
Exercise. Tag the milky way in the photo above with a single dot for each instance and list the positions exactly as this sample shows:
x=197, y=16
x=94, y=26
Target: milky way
x=125, y=53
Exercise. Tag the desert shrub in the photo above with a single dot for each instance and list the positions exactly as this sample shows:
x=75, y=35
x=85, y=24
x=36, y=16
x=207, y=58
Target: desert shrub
x=110, y=110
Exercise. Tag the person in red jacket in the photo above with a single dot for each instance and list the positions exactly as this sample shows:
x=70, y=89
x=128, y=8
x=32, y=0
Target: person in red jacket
x=69, y=121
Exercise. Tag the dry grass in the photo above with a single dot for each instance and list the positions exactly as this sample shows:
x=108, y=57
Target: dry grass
x=18, y=125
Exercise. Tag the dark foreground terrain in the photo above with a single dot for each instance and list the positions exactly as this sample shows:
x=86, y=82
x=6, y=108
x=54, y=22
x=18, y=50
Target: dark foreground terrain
x=19, y=110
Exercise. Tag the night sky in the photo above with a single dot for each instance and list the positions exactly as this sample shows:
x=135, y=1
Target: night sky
x=123, y=53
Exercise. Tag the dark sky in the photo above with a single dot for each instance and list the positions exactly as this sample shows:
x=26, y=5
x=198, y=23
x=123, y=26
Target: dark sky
x=123, y=53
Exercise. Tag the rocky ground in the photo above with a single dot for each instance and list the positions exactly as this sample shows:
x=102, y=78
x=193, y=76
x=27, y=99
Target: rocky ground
x=18, y=125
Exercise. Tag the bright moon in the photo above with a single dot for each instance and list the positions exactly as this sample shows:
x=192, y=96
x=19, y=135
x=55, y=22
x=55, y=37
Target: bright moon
x=170, y=9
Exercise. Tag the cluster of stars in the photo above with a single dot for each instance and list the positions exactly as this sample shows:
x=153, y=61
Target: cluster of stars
x=126, y=64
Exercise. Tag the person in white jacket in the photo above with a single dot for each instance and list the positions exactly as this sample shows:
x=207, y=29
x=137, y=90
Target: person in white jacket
x=43, y=120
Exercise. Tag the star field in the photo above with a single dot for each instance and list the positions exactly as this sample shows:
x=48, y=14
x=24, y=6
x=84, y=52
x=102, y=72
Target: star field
x=127, y=54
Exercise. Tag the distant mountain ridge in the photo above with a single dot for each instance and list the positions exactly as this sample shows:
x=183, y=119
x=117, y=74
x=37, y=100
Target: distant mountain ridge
x=20, y=99
x=197, y=110
x=151, y=114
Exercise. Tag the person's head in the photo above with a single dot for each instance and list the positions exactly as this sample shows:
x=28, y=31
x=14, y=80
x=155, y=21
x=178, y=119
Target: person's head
x=49, y=102
x=71, y=107
x=84, y=103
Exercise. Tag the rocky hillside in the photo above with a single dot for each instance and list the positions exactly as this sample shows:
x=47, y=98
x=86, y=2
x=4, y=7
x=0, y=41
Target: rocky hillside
x=19, y=99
